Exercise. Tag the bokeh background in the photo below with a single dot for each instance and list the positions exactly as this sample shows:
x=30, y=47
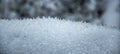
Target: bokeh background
x=74, y=10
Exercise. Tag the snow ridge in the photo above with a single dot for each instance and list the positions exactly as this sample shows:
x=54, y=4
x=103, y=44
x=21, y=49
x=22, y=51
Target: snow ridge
x=54, y=36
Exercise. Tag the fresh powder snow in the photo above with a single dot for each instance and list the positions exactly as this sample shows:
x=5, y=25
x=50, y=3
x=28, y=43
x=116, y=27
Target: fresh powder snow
x=54, y=36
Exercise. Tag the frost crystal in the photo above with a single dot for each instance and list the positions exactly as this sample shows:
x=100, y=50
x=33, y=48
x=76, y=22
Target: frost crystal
x=54, y=36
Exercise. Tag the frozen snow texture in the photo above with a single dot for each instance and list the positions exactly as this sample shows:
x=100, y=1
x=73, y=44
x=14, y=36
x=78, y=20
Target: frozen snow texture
x=53, y=36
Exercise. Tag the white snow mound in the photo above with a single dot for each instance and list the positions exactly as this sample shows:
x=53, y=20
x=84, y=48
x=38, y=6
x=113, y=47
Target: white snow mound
x=54, y=36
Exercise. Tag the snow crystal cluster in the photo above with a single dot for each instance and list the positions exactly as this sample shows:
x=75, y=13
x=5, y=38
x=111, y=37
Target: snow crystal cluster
x=54, y=36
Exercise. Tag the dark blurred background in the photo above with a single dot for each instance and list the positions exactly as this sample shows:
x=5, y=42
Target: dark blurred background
x=75, y=10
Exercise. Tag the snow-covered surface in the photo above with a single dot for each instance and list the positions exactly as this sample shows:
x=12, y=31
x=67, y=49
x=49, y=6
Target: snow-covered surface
x=54, y=36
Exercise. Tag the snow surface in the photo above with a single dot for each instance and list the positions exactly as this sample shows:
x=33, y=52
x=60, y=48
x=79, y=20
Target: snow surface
x=54, y=36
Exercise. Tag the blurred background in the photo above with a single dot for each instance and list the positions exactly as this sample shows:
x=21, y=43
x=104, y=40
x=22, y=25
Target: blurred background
x=90, y=11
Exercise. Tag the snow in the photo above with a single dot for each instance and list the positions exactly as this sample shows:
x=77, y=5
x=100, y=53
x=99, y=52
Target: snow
x=54, y=36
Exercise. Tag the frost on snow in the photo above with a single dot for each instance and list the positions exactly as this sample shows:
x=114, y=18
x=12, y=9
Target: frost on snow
x=53, y=36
